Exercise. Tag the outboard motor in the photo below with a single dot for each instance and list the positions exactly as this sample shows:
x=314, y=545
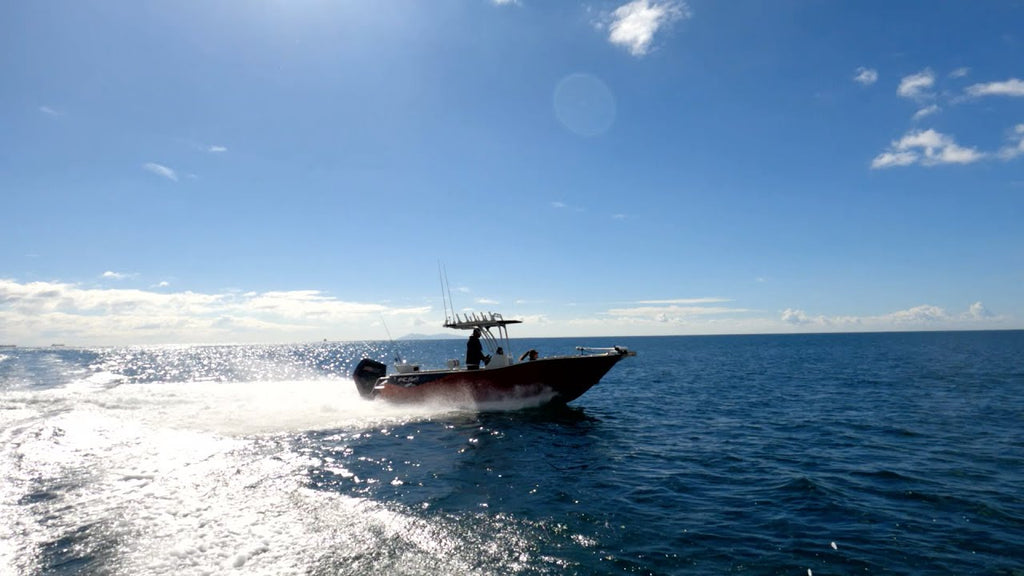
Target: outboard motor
x=366, y=374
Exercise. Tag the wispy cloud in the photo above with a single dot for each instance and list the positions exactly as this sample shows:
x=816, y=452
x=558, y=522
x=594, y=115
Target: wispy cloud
x=923, y=316
x=866, y=76
x=960, y=72
x=201, y=146
x=686, y=301
x=926, y=111
x=116, y=275
x=634, y=25
x=1011, y=87
x=505, y=2
x=1015, y=144
x=917, y=86
x=52, y=112
x=160, y=170
x=678, y=311
x=718, y=319
x=927, y=148
x=559, y=205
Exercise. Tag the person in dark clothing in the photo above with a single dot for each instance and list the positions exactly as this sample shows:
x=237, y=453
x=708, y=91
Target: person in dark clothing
x=475, y=351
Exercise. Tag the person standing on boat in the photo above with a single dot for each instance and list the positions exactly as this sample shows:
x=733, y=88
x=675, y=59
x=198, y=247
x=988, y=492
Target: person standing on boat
x=475, y=351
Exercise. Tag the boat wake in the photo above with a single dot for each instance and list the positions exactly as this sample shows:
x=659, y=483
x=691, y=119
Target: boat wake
x=525, y=401
x=200, y=478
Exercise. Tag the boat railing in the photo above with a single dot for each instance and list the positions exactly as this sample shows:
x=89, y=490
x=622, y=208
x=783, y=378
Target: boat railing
x=621, y=350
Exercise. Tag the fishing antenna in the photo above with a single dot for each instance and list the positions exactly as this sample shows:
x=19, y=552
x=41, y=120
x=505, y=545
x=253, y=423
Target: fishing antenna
x=445, y=285
x=444, y=301
x=449, y=285
x=398, y=357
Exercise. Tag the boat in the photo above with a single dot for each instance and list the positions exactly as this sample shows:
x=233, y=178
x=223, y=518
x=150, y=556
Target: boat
x=504, y=380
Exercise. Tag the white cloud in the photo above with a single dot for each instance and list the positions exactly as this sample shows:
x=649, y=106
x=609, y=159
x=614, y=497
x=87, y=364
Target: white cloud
x=160, y=170
x=925, y=316
x=1011, y=87
x=960, y=72
x=634, y=25
x=676, y=319
x=50, y=111
x=890, y=159
x=36, y=313
x=216, y=149
x=925, y=147
x=926, y=111
x=800, y=318
x=116, y=275
x=866, y=76
x=558, y=205
x=505, y=2
x=686, y=301
x=674, y=311
x=917, y=315
x=725, y=319
x=917, y=86
x=1015, y=147
x=977, y=311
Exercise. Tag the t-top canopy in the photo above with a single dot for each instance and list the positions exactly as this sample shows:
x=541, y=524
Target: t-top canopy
x=474, y=320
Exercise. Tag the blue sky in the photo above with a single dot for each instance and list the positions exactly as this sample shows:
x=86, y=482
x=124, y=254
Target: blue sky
x=280, y=171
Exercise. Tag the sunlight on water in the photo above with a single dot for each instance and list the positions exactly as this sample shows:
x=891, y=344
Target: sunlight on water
x=200, y=478
x=830, y=454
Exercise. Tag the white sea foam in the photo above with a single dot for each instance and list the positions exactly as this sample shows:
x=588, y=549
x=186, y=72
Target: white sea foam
x=200, y=478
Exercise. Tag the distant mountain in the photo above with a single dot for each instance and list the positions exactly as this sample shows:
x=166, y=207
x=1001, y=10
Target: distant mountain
x=428, y=337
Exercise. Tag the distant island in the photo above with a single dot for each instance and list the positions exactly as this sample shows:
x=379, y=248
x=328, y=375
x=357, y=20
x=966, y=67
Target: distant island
x=428, y=337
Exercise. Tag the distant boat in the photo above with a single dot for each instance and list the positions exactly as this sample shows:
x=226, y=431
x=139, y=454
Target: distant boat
x=56, y=345
x=544, y=380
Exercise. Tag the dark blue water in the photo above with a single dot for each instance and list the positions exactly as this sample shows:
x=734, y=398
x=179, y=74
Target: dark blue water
x=799, y=454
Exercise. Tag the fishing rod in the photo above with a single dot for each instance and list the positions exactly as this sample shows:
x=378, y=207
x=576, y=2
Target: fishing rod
x=394, y=346
x=446, y=296
x=444, y=301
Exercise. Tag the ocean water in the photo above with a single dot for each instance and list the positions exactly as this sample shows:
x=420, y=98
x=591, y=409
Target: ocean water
x=817, y=454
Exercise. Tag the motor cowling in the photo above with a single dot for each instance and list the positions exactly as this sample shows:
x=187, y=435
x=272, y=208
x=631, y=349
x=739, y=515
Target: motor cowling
x=366, y=374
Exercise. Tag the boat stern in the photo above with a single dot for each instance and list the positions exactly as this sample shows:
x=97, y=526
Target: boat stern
x=366, y=374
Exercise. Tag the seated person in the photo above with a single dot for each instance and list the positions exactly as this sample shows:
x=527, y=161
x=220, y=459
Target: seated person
x=498, y=359
x=531, y=354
